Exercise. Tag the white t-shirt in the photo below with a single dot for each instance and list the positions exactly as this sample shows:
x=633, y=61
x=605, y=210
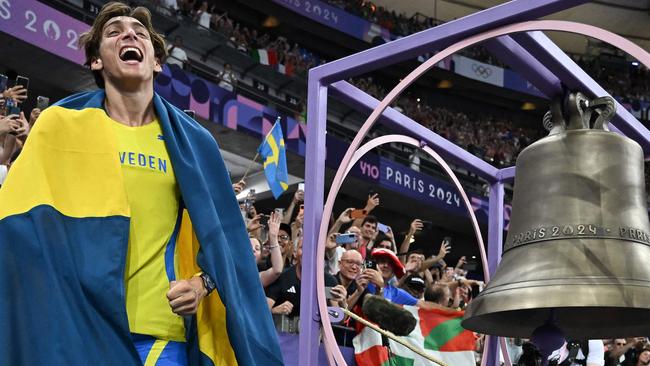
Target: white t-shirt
x=3, y=173
x=596, y=354
x=204, y=19
x=177, y=56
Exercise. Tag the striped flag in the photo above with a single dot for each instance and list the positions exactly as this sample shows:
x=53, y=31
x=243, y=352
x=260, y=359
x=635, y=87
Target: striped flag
x=265, y=57
x=438, y=333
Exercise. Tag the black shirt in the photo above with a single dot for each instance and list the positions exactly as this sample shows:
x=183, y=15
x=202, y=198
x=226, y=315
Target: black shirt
x=287, y=288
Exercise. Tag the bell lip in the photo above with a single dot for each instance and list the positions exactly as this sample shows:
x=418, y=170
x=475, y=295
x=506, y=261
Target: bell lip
x=514, y=313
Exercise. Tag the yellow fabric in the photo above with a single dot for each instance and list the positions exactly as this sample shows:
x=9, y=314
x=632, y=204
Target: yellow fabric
x=211, y=316
x=155, y=352
x=154, y=197
x=98, y=192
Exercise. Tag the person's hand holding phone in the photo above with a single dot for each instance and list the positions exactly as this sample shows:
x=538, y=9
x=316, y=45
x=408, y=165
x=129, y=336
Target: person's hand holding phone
x=331, y=241
x=374, y=277
x=345, y=217
x=254, y=223
x=23, y=131
x=416, y=225
x=373, y=201
x=339, y=295
x=445, y=248
x=10, y=124
x=299, y=196
x=16, y=92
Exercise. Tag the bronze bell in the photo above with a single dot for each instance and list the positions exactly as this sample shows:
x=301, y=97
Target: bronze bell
x=578, y=248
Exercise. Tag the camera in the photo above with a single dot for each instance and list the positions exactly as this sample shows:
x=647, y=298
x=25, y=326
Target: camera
x=369, y=263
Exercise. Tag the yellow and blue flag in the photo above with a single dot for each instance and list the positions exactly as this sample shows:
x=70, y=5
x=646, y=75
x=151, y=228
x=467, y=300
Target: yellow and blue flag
x=274, y=156
x=64, y=232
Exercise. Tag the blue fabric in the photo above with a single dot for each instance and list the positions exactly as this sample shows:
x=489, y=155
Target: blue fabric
x=174, y=353
x=170, y=248
x=274, y=158
x=62, y=280
x=395, y=295
x=63, y=302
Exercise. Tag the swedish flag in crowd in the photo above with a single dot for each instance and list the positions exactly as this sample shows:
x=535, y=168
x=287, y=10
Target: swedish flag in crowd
x=274, y=156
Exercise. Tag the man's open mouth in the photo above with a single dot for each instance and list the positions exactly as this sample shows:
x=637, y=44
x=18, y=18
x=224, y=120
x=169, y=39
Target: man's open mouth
x=130, y=53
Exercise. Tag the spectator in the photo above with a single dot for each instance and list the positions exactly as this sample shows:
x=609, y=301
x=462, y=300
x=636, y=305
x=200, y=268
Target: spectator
x=176, y=53
x=271, y=274
x=283, y=296
x=203, y=16
x=368, y=234
x=227, y=78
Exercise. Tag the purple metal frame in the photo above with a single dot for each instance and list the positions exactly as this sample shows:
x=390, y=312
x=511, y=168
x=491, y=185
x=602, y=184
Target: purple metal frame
x=532, y=54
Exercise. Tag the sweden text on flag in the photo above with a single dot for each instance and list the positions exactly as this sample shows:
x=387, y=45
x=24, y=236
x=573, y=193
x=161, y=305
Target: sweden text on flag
x=274, y=157
x=438, y=333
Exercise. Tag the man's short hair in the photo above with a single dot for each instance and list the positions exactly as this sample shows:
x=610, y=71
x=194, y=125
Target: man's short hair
x=371, y=219
x=435, y=293
x=92, y=39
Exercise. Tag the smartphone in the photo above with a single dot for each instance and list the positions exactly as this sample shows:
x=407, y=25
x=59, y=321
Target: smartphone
x=264, y=220
x=369, y=263
x=447, y=240
x=190, y=112
x=346, y=238
x=302, y=209
x=21, y=80
x=14, y=109
x=3, y=82
x=328, y=292
x=301, y=187
x=42, y=102
x=427, y=225
x=383, y=228
x=358, y=213
x=371, y=193
x=279, y=211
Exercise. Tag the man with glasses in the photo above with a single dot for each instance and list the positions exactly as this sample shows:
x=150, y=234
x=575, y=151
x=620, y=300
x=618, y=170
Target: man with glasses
x=624, y=352
x=334, y=251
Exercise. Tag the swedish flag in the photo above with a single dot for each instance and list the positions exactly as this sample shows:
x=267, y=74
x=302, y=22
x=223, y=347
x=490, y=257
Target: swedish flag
x=274, y=156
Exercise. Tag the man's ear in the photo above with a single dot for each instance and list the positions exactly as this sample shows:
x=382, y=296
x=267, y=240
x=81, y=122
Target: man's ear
x=96, y=64
x=157, y=67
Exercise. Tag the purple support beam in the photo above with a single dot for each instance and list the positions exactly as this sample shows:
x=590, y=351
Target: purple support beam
x=314, y=184
x=547, y=52
x=495, y=240
x=399, y=122
x=439, y=37
x=515, y=56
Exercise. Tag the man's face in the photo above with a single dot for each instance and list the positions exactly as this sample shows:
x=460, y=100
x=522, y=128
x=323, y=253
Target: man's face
x=284, y=240
x=385, y=267
x=126, y=54
x=368, y=230
x=257, y=249
x=619, y=343
x=385, y=244
x=350, y=264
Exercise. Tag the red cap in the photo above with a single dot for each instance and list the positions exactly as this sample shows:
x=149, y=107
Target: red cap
x=398, y=268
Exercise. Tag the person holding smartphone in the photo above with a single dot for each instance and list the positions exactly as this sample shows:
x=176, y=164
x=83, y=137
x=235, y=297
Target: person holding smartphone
x=131, y=246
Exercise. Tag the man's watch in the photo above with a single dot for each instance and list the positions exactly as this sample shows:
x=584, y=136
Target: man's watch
x=207, y=282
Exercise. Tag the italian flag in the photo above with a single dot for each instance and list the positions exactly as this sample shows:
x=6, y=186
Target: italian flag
x=265, y=57
x=438, y=333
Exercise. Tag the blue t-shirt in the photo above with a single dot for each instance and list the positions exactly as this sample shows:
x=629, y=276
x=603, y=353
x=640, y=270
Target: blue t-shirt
x=395, y=295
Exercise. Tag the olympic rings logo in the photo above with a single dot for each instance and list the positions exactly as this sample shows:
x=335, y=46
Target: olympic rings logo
x=482, y=71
